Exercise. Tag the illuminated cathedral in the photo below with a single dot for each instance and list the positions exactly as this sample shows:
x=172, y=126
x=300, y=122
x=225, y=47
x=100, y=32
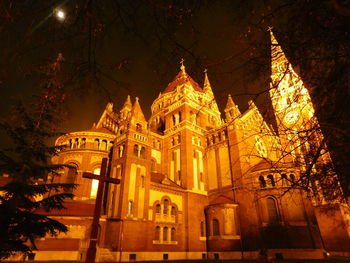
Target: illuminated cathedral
x=195, y=184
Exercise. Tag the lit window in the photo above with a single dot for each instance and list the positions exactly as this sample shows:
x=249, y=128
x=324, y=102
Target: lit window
x=130, y=207
x=94, y=185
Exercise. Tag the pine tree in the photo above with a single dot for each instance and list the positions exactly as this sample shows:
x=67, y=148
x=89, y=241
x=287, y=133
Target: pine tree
x=27, y=163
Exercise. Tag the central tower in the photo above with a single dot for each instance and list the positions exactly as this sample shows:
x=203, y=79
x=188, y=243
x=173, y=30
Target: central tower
x=182, y=114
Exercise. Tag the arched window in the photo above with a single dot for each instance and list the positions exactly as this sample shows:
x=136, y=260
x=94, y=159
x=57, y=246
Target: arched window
x=216, y=227
x=166, y=207
x=158, y=208
x=104, y=145
x=173, y=211
x=202, y=229
x=271, y=180
x=121, y=151
x=285, y=181
x=143, y=152
x=262, y=181
x=292, y=177
x=71, y=177
x=272, y=211
x=130, y=207
x=76, y=144
x=173, y=233
x=83, y=143
x=138, y=127
x=136, y=150
x=165, y=233
x=97, y=144
x=157, y=233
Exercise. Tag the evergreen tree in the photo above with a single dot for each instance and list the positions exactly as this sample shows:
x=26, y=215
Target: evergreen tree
x=26, y=162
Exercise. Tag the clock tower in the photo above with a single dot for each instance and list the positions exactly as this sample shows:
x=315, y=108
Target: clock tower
x=292, y=104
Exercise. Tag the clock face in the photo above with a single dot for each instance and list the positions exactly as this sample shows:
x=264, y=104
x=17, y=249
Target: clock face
x=291, y=117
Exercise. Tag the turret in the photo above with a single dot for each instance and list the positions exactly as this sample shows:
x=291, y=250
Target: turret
x=231, y=110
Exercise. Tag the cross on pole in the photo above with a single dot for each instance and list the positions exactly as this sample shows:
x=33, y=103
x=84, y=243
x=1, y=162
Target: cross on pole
x=103, y=178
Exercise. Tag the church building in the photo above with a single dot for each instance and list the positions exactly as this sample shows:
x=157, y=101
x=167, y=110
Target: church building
x=196, y=184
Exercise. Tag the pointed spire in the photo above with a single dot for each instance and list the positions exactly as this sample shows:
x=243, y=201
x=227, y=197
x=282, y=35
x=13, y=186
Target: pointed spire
x=279, y=61
x=230, y=104
x=127, y=103
x=137, y=112
x=207, y=86
x=231, y=110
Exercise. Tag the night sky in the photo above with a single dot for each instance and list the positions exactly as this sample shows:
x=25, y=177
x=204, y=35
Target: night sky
x=135, y=49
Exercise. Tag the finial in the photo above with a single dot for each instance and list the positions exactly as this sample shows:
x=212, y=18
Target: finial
x=137, y=99
x=269, y=28
x=182, y=67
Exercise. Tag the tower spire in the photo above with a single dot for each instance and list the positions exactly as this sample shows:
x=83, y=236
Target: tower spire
x=137, y=111
x=207, y=87
x=231, y=109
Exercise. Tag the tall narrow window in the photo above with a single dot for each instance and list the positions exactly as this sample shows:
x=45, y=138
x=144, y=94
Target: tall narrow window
x=272, y=211
x=97, y=144
x=173, y=211
x=172, y=237
x=83, y=143
x=216, y=227
x=143, y=152
x=158, y=208
x=71, y=177
x=271, y=180
x=104, y=145
x=76, y=144
x=142, y=181
x=292, y=177
x=262, y=181
x=166, y=207
x=136, y=150
x=165, y=233
x=94, y=185
x=285, y=181
x=157, y=233
x=130, y=204
x=202, y=229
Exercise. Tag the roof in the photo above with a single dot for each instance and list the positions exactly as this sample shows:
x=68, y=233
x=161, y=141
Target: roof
x=162, y=179
x=182, y=78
